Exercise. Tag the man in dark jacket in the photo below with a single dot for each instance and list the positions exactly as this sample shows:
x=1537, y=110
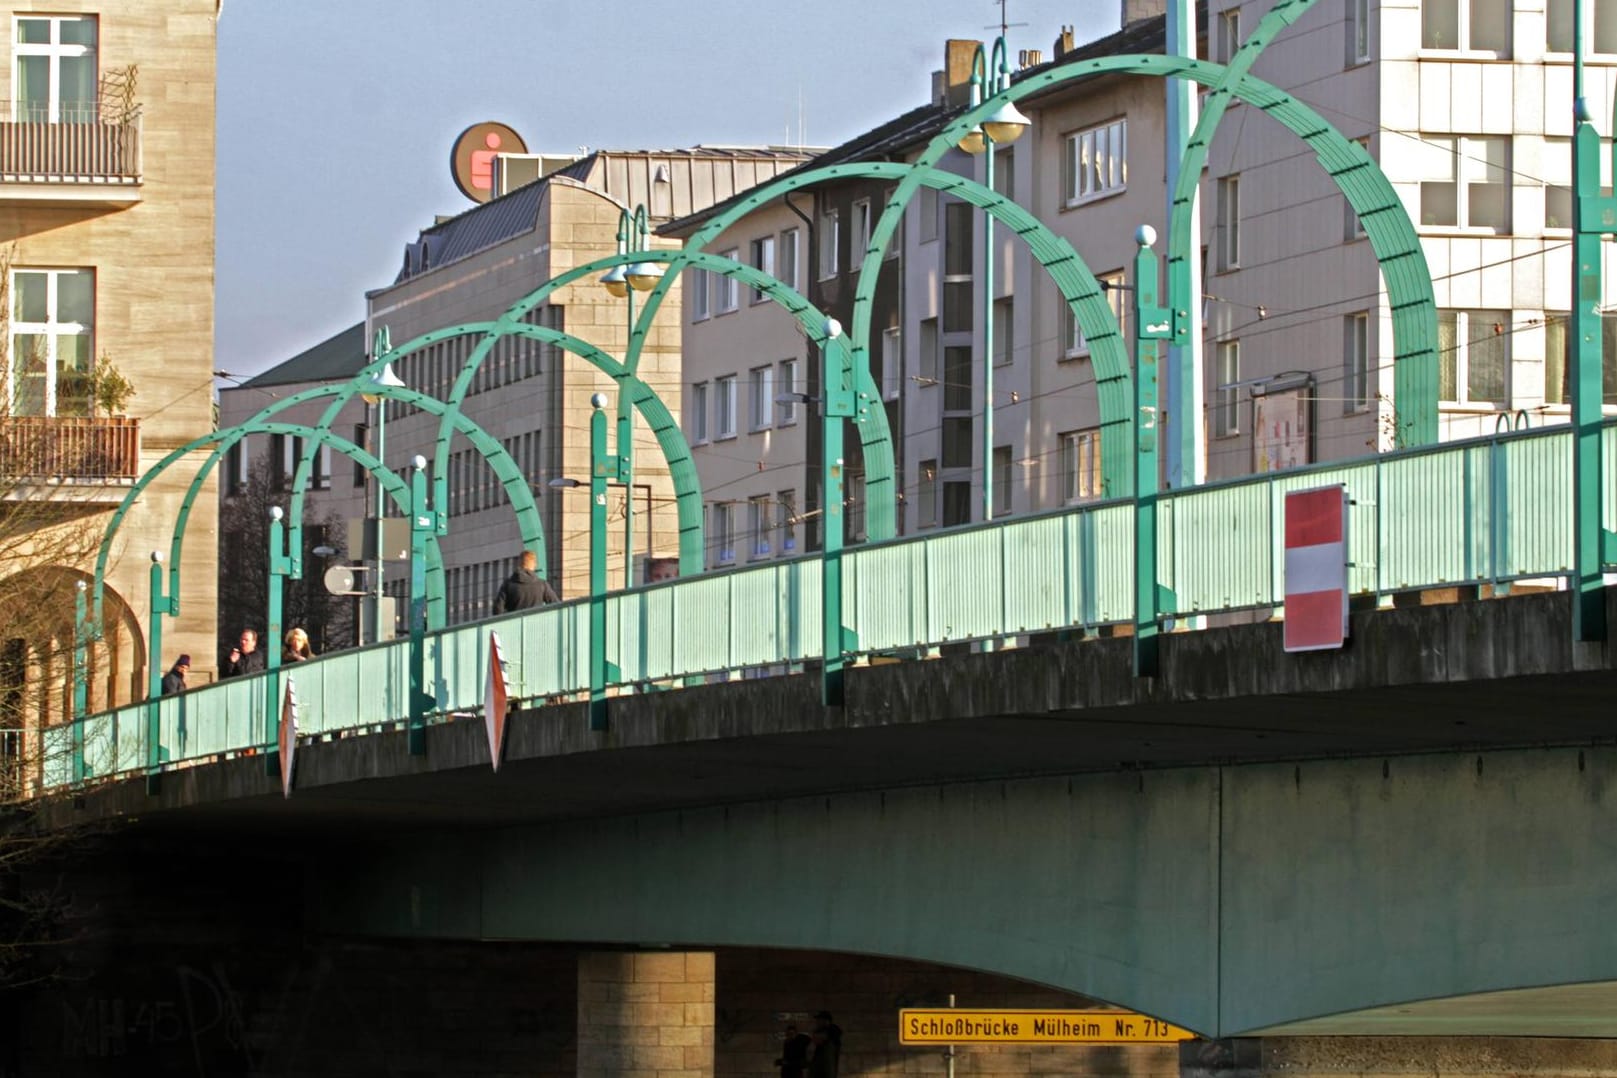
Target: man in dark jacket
x=174, y=680
x=525, y=589
x=244, y=658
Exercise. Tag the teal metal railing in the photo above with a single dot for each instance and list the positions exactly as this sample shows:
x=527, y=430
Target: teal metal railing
x=1488, y=510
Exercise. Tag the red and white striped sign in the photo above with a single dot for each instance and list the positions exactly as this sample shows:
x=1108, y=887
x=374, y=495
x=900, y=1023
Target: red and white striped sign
x=287, y=738
x=1316, y=569
x=495, y=701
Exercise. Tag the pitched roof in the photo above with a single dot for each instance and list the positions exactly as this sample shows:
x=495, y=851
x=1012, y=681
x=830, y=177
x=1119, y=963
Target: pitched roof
x=335, y=359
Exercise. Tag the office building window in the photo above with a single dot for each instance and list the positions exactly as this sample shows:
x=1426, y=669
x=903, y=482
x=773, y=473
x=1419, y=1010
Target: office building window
x=1556, y=170
x=1470, y=25
x=52, y=330
x=830, y=243
x=1080, y=466
x=1095, y=163
x=54, y=65
x=957, y=441
x=956, y=502
x=926, y=494
x=956, y=381
x=895, y=242
x=1356, y=362
x=788, y=258
x=1004, y=332
x=321, y=478
x=786, y=520
x=1352, y=227
x=1558, y=357
x=236, y=469
x=1227, y=398
x=927, y=209
x=928, y=359
x=700, y=303
x=728, y=296
x=1358, y=31
x=1473, y=351
x=762, y=257
x=1002, y=480
x=724, y=407
x=1599, y=25
x=1229, y=34
x=761, y=397
x=759, y=525
x=892, y=363
x=1229, y=222
x=861, y=232
x=853, y=506
x=722, y=541
x=697, y=410
x=957, y=255
x=1113, y=290
x=1465, y=181
x=786, y=382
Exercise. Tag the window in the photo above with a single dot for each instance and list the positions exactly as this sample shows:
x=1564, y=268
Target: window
x=895, y=242
x=700, y=305
x=758, y=525
x=861, y=231
x=892, y=363
x=722, y=542
x=321, y=479
x=787, y=383
x=761, y=394
x=1004, y=332
x=957, y=250
x=956, y=381
x=786, y=520
x=52, y=322
x=236, y=469
x=291, y=452
x=727, y=292
x=1229, y=34
x=724, y=407
x=853, y=502
x=1226, y=406
x=927, y=208
x=830, y=242
x=1229, y=222
x=1005, y=172
x=1113, y=287
x=926, y=494
x=957, y=442
x=1465, y=182
x=698, y=413
x=1599, y=26
x=1080, y=466
x=362, y=438
x=1002, y=480
x=55, y=72
x=787, y=274
x=1356, y=362
x=1474, y=25
x=929, y=352
x=956, y=503
x=1358, y=31
x=762, y=258
x=1558, y=357
x=1095, y=163
x=1556, y=168
x=1352, y=227
x=1473, y=351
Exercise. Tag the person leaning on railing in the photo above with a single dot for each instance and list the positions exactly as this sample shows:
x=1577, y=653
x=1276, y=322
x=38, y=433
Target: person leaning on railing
x=297, y=647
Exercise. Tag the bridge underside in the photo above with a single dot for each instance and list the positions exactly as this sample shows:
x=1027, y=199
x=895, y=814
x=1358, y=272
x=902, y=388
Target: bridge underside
x=1252, y=843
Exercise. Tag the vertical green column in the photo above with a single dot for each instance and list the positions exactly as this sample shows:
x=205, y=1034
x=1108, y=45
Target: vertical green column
x=1593, y=214
x=988, y=336
x=154, y=676
x=1153, y=324
x=601, y=470
x=279, y=567
x=625, y=464
x=81, y=675
x=421, y=529
x=838, y=405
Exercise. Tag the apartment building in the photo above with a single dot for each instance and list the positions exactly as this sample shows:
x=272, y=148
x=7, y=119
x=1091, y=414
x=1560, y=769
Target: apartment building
x=107, y=235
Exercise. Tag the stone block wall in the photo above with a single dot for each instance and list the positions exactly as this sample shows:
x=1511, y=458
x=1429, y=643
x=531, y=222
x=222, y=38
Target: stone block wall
x=646, y=1014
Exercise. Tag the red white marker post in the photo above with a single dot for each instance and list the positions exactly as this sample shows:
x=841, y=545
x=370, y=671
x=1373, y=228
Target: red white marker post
x=495, y=701
x=1316, y=569
x=287, y=737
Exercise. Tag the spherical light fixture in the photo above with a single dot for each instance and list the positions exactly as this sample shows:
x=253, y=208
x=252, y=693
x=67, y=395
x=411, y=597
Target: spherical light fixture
x=1006, y=123
x=973, y=141
x=643, y=276
x=616, y=281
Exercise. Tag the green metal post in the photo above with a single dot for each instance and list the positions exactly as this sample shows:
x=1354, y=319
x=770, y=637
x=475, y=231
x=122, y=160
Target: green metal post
x=1153, y=324
x=839, y=403
x=422, y=527
x=1593, y=215
x=601, y=470
x=81, y=674
x=625, y=467
x=988, y=335
x=279, y=567
x=154, y=666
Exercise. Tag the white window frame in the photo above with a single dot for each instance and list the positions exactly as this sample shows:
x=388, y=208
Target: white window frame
x=786, y=520
x=1115, y=287
x=52, y=330
x=55, y=51
x=1081, y=183
x=1229, y=34
x=761, y=397
x=926, y=494
x=697, y=412
x=1591, y=29
x=830, y=243
x=929, y=209
x=761, y=256
x=1080, y=467
x=1462, y=358
x=1356, y=363
x=861, y=232
x=1466, y=156
x=724, y=407
x=929, y=352
x=892, y=362
x=724, y=538
x=786, y=382
x=1229, y=222
x=1463, y=25
x=1004, y=342
x=788, y=257
x=701, y=303
x=759, y=525
x=1227, y=389
x=729, y=298
x=1359, y=46
x=895, y=242
x=1003, y=462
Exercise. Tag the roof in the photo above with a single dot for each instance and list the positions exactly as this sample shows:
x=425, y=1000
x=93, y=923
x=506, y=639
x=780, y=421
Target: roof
x=335, y=359
x=920, y=124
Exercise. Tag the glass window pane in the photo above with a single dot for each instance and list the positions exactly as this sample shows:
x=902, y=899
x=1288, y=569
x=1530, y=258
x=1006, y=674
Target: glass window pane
x=78, y=89
x=73, y=352
x=1605, y=29
x=1448, y=356
x=78, y=31
x=75, y=297
x=957, y=307
x=957, y=379
x=1555, y=357
x=1558, y=32
x=34, y=31
x=1440, y=24
x=1488, y=356
x=1490, y=25
x=33, y=89
x=1608, y=358
x=1439, y=204
x=957, y=443
x=30, y=292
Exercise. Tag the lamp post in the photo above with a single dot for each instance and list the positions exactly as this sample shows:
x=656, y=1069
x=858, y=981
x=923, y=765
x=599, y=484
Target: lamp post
x=422, y=527
x=603, y=466
x=623, y=281
x=161, y=605
x=1152, y=323
x=1003, y=126
x=837, y=405
x=384, y=378
x=81, y=675
x=280, y=566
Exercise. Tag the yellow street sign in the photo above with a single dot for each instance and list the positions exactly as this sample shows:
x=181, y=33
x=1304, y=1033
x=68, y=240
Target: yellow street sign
x=918, y=1025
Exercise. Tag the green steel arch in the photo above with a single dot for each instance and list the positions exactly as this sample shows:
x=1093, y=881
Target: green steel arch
x=1078, y=286
x=395, y=486
x=1391, y=233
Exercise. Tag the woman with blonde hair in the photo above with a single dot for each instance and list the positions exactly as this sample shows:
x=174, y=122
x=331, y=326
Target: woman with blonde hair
x=297, y=647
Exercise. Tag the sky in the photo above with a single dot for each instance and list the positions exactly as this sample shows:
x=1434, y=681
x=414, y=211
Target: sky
x=336, y=117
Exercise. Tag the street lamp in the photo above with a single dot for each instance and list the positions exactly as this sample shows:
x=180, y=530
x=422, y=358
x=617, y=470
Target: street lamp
x=837, y=405
x=603, y=466
x=1004, y=125
x=622, y=281
x=382, y=379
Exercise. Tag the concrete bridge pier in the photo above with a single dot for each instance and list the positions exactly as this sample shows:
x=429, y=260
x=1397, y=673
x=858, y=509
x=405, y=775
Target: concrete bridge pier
x=1399, y=1057
x=645, y=1014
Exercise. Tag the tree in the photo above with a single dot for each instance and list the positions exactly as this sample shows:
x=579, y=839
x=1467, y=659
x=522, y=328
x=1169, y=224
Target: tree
x=244, y=566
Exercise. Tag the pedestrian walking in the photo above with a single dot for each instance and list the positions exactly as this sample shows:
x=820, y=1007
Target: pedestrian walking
x=525, y=588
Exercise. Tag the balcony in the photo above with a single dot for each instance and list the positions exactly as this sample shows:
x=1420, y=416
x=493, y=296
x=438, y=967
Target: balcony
x=87, y=459
x=91, y=160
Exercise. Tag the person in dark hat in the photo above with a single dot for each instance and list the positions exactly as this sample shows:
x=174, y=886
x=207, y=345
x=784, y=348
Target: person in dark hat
x=827, y=1047
x=174, y=680
x=794, y=1052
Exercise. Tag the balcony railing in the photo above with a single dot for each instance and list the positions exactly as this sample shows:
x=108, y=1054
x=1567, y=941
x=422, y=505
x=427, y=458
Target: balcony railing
x=82, y=147
x=78, y=448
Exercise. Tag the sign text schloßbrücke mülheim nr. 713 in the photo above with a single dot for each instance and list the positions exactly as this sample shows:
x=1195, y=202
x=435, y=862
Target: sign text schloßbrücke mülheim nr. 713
x=951, y=1026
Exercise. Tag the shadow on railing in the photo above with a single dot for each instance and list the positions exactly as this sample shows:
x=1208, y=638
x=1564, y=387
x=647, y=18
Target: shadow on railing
x=83, y=147
x=89, y=448
x=1485, y=511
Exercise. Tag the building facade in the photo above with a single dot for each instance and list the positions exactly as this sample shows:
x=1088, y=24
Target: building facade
x=107, y=234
